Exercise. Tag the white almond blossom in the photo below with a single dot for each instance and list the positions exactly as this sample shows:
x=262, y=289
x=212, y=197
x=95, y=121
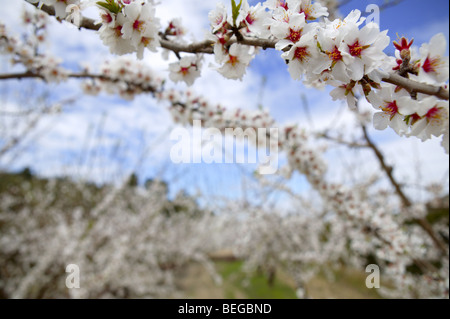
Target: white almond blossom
x=276, y=4
x=339, y=26
x=255, y=19
x=346, y=92
x=141, y=26
x=302, y=56
x=218, y=17
x=112, y=36
x=312, y=11
x=333, y=57
x=176, y=29
x=288, y=31
x=188, y=69
x=362, y=49
x=389, y=102
x=434, y=118
x=236, y=61
x=434, y=65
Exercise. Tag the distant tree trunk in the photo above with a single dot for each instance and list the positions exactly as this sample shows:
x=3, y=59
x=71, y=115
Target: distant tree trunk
x=271, y=276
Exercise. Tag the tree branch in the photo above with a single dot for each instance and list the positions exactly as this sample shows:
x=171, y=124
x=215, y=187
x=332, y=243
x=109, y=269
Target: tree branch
x=20, y=76
x=207, y=47
x=30, y=75
x=199, y=47
x=417, y=87
x=398, y=189
x=388, y=169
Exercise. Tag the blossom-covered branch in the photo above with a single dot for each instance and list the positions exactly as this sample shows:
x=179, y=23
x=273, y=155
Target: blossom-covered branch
x=207, y=47
x=343, y=53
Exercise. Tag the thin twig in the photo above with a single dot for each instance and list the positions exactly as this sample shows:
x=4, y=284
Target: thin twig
x=341, y=141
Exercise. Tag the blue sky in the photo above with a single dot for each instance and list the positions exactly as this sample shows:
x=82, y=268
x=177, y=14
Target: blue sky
x=410, y=18
x=119, y=131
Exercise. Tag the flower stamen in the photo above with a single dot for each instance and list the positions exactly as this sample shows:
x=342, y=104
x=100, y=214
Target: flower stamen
x=138, y=25
x=294, y=35
x=301, y=53
x=431, y=65
x=356, y=49
x=391, y=109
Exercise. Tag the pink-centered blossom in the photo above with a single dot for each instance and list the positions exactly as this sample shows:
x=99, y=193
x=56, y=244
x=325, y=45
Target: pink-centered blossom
x=255, y=19
x=218, y=17
x=434, y=65
x=302, y=56
x=187, y=70
x=141, y=26
x=288, y=31
x=388, y=102
x=362, y=49
x=434, y=118
x=236, y=61
x=311, y=10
